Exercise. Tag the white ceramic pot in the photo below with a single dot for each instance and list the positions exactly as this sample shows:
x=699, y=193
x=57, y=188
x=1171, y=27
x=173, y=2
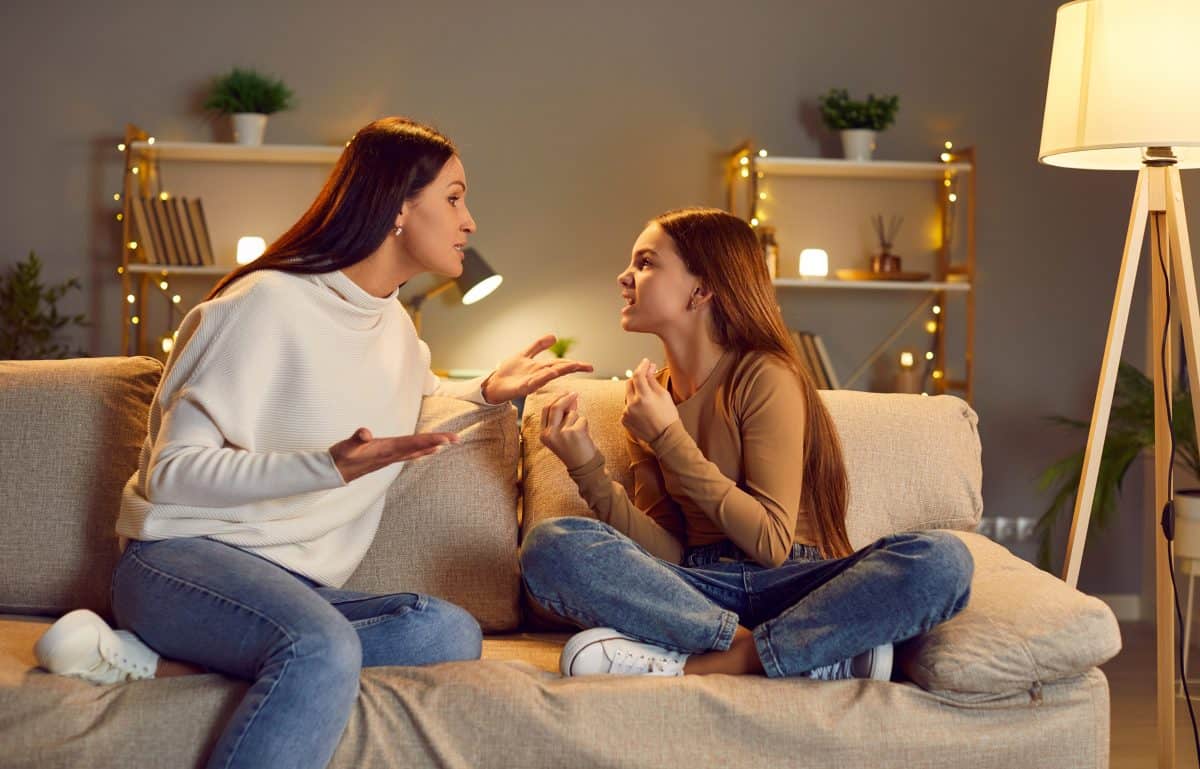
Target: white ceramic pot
x=858, y=143
x=249, y=127
x=1187, y=523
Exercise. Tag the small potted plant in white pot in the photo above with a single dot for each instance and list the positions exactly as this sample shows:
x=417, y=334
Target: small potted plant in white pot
x=858, y=121
x=249, y=98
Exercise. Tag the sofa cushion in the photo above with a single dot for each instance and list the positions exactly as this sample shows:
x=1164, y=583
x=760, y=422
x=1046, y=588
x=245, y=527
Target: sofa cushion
x=912, y=462
x=72, y=433
x=1022, y=627
x=449, y=525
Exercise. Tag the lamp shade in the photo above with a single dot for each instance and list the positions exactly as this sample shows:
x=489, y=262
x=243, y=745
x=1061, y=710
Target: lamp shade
x=1124, y=76
x=478, y=279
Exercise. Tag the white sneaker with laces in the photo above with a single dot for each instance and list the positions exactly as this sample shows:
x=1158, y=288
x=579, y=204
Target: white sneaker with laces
x=604, y=651
x=82, y=645
x=875, y=664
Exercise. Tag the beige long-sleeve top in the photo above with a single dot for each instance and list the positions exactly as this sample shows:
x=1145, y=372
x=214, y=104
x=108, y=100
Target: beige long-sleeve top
x=716, y=474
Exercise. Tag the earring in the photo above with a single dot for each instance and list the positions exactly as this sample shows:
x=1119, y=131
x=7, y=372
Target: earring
x=398, y=231
x=691, y=305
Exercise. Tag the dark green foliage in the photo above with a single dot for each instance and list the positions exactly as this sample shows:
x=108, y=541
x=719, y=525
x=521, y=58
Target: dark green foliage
x=244, y=90
x=1130, y=432
x=840, y=112
x=29, y=318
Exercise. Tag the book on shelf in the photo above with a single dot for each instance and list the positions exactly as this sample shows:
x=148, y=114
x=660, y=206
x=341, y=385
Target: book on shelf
x=144, y=231
x=815, y=359
x=170, y=251
x=186, y=232
x=200, y=230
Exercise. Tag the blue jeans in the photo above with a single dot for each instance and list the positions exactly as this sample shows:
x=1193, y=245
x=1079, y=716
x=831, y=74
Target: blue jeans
x=804, y=614
x=300, y=644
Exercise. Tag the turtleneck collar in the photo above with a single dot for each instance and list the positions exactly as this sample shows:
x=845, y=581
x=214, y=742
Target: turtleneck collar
x=347, y=289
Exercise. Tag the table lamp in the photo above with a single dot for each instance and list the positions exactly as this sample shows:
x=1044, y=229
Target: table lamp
x=476, y=281
x=1124, y=95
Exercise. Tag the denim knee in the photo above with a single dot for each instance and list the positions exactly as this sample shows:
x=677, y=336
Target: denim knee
x=549, y=548
x=332, y=654
x=949, y=565
x=461, y=637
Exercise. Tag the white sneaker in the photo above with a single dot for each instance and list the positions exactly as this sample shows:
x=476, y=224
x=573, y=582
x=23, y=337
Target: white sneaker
x=82, y=645
x=604, y=651
x=874, y=663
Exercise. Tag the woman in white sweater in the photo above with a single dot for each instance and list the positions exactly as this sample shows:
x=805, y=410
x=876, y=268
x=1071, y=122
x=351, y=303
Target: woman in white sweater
x=285, y=412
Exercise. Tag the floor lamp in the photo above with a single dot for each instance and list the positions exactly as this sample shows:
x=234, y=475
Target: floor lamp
x=1124, y=94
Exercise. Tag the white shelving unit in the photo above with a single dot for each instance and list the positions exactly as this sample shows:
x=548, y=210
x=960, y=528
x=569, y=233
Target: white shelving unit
x=955, y=173
x=143, y=154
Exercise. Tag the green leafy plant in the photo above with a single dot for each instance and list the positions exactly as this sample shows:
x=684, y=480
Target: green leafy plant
x=244, y=90
x=1130, y=432
x=561, y=346
x=29, y=319
x=840, y=112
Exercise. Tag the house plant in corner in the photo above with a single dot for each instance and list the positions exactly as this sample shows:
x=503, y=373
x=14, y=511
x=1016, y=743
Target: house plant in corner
x=857, y=121
x=1130, y=433
x=249, y=97
x=30, y=322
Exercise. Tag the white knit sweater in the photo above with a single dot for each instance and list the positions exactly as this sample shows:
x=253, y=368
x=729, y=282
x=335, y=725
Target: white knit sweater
x=261, y=382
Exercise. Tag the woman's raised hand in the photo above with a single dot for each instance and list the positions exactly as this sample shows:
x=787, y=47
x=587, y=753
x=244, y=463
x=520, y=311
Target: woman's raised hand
x=363, y=453
x=649, y=408
x=565, y=431
x=521, y=374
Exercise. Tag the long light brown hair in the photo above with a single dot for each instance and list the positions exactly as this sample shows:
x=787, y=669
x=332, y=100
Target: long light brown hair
x=387, y=162
x=723, y=252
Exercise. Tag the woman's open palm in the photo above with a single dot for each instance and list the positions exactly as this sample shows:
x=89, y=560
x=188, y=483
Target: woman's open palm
x=363, y=453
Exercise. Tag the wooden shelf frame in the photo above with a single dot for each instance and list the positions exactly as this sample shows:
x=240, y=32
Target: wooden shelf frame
x=956, y=172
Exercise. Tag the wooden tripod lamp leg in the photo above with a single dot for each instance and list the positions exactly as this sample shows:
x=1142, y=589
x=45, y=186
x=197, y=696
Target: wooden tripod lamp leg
x=1108, y=380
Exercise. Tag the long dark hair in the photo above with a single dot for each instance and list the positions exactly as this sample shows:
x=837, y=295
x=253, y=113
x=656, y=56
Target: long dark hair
x=387, y=162
x=724, y=253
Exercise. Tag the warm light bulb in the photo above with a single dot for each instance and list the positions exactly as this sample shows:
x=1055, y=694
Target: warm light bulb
x=629, y=373
x=906, y=359
x=120, y=217
x=130, y=298
x=937, y=309
x=482, y=289
x=945, y=157
x=949, y=145
x=163, y=285
x=754, y=221
x=135, y=320
x=745, y=173
x=952, y=197
x=931, y=326
x=937, y=375
x=134, y=169
x=150, y=140
x=814, y=263
x=744, y=160
x=762, y=196
x=929, y=356
x=167, y=344
x=946, y=182
x=133, y=245
x=762, y=153
x=177, y=299
x=121, y=147
x=162, y=196
x=120, y=270
x=249, y=248
x=116, y=196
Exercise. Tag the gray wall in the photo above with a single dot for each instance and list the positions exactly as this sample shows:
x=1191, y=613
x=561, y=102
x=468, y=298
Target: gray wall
x=577, y=123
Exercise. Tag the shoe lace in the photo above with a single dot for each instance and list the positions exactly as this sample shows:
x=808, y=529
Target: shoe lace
x=832, y=672
x=631, y=662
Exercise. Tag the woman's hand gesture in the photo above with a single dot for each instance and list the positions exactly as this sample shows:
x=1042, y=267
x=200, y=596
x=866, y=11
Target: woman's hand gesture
x=565, y=431
x=521, y=374
x=363, y=453
x=649, y=408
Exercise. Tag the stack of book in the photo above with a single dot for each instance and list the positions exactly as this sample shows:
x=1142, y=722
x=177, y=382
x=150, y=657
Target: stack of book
x=816, y=358
x=172, y=231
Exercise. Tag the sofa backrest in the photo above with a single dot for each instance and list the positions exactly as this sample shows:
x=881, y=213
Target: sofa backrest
x=913, y=462
x=71, y=433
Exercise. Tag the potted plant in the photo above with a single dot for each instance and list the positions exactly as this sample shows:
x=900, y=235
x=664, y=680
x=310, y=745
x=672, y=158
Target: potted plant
x=29, y=319
x=249, y=97
x=1130, y=432
x=561, y=346
x=858, y=121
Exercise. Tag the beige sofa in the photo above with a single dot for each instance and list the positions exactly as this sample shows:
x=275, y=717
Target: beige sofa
x=1010, y=682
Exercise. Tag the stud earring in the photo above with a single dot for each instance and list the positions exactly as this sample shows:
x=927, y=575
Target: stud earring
x=398, y=231
x=691, y=305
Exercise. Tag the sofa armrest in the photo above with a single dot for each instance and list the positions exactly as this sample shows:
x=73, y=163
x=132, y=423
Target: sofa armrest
x=1022, y=627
